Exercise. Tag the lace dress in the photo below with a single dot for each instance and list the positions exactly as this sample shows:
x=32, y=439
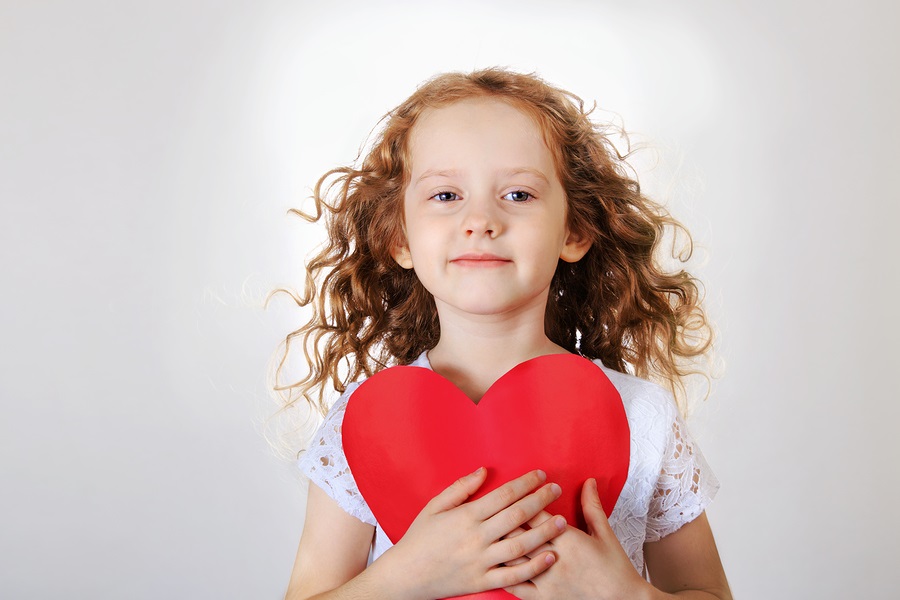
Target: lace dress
x=669, y=482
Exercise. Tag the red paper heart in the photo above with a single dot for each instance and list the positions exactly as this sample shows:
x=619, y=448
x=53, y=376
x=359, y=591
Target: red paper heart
x=408, y=433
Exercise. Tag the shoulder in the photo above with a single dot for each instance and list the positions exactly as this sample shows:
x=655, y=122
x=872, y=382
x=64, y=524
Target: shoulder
x=642, y=399
x=335, y=416
x=325, y=464
x=340, y=405
x=652, y=417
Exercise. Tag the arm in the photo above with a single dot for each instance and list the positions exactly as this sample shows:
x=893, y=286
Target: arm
x=333, y=549
x=686, y=563
x=682, y=558
x=593, y=565
x=453, y=547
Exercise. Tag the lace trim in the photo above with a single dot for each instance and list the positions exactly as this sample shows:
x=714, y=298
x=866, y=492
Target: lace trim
x=325, y=465
x=686, y=485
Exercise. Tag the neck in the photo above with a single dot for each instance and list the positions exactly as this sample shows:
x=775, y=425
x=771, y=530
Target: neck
x=476, y=350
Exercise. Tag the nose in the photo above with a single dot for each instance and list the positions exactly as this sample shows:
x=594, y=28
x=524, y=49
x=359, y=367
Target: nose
x=480, y=217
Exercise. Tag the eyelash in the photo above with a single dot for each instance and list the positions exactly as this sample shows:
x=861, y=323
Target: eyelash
x=529, y=195
x=435, y=197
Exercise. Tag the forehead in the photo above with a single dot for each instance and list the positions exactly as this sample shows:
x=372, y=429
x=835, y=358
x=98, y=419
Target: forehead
x=476, y=130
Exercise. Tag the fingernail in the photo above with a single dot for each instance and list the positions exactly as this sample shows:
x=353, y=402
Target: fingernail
x=478, y=471
x=551, y=558
x=560, y=523
x=554, y=487
x=541, y=475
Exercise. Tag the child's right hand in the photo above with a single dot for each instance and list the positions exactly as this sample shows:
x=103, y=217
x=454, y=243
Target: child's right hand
x=454, y=548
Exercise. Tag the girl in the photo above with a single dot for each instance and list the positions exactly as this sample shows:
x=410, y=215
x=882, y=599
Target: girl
x=491, y=223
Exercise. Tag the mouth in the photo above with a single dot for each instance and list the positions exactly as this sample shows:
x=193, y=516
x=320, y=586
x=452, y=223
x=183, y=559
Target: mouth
x=474, y=259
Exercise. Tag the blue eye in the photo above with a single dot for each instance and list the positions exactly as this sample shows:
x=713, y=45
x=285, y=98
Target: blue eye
x=445, y=196
x=519, y=196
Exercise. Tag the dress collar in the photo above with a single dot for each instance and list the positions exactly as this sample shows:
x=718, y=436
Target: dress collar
x=422, y=361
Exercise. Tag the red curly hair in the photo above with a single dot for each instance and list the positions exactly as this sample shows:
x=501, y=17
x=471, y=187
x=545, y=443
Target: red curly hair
x=616, y=304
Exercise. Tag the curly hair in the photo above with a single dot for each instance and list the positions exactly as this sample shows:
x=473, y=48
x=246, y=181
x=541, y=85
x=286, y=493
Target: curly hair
x=617, y=303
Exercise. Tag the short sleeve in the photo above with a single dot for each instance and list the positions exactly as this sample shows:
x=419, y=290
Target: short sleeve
x=326, y=466
x=686, y=484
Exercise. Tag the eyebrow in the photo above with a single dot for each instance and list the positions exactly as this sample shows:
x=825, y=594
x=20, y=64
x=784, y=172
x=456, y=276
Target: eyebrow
x=507, y=173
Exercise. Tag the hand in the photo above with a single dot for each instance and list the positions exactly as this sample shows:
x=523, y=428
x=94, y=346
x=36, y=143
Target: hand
x=589, y=565
x=454, y=548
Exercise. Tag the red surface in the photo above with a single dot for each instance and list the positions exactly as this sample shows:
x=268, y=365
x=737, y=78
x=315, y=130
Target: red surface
x=408, y=433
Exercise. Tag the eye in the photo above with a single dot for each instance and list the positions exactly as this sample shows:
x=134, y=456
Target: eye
x=519, y=196
x=445, y=197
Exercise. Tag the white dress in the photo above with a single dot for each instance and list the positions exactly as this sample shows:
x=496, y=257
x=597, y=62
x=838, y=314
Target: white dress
x=669, y=482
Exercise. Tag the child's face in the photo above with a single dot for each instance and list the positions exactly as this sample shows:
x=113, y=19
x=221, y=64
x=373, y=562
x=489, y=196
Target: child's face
x=485, y=214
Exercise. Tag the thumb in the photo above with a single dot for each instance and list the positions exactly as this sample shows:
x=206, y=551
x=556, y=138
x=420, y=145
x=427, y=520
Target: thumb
x=458, y=492
x=594, y=514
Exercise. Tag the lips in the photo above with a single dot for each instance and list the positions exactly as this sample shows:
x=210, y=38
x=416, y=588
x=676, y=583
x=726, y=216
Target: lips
x=480, y=259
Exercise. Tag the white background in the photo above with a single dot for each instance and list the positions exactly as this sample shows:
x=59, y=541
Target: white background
x=149, y=152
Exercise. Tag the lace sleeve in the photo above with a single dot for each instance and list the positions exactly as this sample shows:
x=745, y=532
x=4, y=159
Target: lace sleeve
x=686, y=484
x=326, y=466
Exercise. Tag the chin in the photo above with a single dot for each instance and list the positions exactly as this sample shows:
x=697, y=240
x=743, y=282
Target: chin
x=488, y=309
x=486, y=306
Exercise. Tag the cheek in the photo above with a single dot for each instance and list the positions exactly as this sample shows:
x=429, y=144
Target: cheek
x=423, y=249
x=549, y=235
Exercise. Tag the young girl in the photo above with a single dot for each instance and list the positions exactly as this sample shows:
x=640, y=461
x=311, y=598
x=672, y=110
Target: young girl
x=492, y=223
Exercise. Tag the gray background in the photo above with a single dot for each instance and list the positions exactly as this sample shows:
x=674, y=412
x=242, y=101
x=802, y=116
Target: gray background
x=150, y=151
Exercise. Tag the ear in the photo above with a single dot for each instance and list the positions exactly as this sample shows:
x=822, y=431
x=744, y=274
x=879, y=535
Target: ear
x=402, y=256
x=575, y=247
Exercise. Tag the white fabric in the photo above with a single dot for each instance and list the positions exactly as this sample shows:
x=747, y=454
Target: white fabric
x=669, y=482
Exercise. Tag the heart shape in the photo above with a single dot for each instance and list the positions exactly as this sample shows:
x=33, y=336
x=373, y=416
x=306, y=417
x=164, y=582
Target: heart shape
x=408, y=433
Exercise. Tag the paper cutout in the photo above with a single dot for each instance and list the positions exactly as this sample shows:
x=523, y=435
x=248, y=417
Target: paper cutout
x=408, y=433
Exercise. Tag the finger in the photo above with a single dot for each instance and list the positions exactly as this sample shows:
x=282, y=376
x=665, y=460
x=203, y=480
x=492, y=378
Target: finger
x=521, y=512
x=539, y=518
x=503, y=577
x=519, y=531
x=594, y=515
x=458, y=492
x=507, y=550
x=545, y=547
x=514, y=533
x=507, y=494
x=548, y=547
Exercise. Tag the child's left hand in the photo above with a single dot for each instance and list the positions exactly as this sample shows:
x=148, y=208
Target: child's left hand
x=589, y=565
